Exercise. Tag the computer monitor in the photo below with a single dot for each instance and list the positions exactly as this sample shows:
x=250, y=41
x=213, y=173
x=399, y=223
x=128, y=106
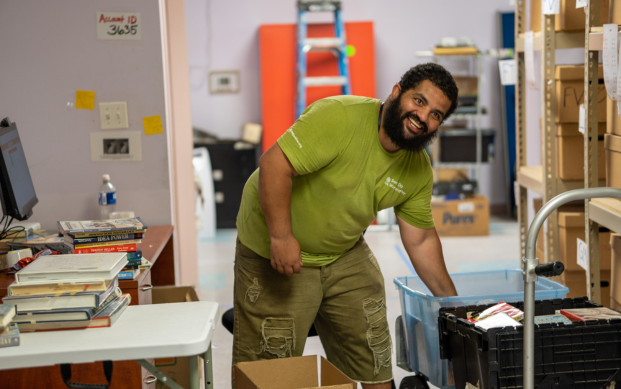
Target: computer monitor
x=18, y=193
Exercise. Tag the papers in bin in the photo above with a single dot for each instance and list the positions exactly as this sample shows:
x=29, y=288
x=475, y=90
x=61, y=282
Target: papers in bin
x=498, y=320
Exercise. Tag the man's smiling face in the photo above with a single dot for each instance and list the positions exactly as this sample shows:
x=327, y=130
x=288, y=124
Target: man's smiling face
x=412, y=117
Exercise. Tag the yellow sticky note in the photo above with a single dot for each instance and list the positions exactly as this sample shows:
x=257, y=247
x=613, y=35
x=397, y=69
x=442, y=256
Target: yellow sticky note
x=152, y=125
x=85, y=99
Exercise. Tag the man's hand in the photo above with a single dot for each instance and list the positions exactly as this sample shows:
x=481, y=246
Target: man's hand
x=275, y=183
x=286, y=255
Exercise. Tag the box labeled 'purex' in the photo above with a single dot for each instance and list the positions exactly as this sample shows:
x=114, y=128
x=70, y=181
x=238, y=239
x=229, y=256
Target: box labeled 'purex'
x=467, y=217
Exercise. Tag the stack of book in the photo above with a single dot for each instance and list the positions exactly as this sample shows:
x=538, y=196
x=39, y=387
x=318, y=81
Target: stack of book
x=106, y=236
x=60, y=292
x=9, y=332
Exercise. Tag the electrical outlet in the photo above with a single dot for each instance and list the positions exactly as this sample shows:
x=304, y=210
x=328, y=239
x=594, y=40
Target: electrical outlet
x=113, y=115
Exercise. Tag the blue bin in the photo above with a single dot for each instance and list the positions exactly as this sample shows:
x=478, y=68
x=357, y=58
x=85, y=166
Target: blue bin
x=420, y=312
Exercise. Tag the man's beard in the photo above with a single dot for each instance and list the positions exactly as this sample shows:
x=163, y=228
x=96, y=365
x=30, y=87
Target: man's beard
x=394, y=126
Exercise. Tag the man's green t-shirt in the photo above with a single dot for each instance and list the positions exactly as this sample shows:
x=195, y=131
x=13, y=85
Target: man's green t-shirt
x=345, y=178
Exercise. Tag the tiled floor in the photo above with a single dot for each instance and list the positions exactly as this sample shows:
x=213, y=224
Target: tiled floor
x=499, y=250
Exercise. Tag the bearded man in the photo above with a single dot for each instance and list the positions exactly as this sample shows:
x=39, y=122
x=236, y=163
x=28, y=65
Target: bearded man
x=301, y=257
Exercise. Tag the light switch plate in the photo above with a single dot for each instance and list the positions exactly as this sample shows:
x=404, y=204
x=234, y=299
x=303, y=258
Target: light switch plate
x=113, y=115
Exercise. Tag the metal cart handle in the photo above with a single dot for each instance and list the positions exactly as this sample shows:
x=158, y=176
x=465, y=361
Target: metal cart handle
x=531, y=269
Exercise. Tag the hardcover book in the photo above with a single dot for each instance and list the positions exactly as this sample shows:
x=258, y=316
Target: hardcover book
x=584, y=314
x=63, y=301
x=72, y=267
x=106, y=249
x=73, y=227
x=129, y=274
x=104, y=318
x=57, y=288
x=105, y=233
x=9, y=336
x=558, y=319
x=104, y=244
x=7, y=312
x=102, y=239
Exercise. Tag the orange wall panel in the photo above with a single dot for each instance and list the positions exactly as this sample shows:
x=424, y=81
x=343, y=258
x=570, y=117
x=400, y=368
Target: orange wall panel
x=278, y=62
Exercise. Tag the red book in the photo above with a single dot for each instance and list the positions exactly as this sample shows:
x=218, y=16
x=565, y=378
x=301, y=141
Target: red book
x=584, y=314
x=107, y=249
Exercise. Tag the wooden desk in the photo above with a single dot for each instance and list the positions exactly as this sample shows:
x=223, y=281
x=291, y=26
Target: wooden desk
x=157, y=246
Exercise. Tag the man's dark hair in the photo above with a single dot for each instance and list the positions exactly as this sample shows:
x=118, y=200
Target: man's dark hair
x=438, y=76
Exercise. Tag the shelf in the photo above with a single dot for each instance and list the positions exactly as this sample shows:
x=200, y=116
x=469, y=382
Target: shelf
x=596, y=39
x=531, y=177
x=564, y=40
x=606, y=212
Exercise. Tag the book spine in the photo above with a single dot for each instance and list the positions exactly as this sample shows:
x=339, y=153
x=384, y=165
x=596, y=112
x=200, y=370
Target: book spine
x=126, y=275
x=106, y=233
x=571, y=316
x=107, y=249
x=105, y=244
x=134, y=255
x=106, y=238
x=9, y=341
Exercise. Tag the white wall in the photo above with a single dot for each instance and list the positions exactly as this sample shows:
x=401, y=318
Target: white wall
x=49, y=50
x=223, y=35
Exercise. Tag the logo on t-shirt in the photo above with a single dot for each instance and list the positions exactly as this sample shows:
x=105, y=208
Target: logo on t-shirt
x=398, y=187
x=295, y=137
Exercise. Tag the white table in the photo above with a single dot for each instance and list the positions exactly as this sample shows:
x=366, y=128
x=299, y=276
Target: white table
x=141, y=332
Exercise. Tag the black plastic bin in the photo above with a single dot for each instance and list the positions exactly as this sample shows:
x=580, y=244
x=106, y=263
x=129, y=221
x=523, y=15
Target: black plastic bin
x=582, y=355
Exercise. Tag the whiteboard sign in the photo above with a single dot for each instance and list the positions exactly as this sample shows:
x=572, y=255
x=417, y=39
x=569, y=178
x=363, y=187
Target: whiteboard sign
x=118, y=25
x=508, y=75
x=583, y=255
x=581, y=3
x=551, y=7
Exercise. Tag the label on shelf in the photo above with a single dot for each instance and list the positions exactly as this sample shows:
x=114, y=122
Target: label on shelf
x=508, y=75
x=610, y=59
x=551, y=7
x=581, y=3
x=583, y=255
x=581, y=119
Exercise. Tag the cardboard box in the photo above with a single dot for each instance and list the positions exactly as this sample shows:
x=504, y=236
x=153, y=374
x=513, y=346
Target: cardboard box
x=569, y=18
x=613, y=121
x=570, y=93
x=574, y=206
x=576, y=282
x=448, y=175
x=178, y=369
x=468, y=217
x=288, y=373
x=570, y=157
x=614, y=12
x=615, y=282
x=467, y=86
x=571, y=228
x=612, y=143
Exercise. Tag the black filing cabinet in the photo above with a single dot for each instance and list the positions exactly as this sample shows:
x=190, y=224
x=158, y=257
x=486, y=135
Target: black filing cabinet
x=232, y=165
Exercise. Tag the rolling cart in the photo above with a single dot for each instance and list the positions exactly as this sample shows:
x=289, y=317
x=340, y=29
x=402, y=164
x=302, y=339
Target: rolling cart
x=417, y=336
x=417, y=329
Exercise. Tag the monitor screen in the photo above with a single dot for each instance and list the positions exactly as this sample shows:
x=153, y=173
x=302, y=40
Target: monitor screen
x=18, y=193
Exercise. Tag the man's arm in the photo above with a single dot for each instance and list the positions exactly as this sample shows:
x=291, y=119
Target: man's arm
x=425, y=252
x=275, y=196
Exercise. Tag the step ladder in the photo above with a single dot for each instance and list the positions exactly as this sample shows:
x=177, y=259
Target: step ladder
x=336, y=45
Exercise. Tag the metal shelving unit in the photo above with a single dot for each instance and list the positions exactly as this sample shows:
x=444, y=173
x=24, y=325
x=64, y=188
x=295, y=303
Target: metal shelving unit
x=473, y=115
x=605, y=212
x=533, y=177
x=593, y=42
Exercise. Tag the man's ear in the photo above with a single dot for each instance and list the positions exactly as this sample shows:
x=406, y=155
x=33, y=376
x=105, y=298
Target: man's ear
x=396, y=89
